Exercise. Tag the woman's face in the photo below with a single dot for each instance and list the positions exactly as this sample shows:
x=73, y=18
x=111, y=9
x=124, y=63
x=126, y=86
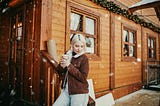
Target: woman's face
x=78, y=47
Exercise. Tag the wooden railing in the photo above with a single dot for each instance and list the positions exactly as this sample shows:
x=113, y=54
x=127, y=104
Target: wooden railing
x=50, y=83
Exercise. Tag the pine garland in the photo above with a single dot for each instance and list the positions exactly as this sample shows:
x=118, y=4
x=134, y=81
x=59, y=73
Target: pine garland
x=109, y=5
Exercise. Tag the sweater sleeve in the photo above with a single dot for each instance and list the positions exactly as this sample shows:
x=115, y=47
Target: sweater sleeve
x=61, y=71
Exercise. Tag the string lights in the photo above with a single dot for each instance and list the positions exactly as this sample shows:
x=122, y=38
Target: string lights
x=109, y=5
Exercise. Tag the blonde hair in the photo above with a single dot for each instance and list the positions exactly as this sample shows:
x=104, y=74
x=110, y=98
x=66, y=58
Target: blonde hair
x=78, y=37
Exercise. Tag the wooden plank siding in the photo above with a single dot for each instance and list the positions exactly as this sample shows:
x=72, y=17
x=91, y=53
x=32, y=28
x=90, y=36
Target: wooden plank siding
x=100, y=67
x=4, y=52
x=110, y=63
x=50, y=19
x=126, y=73
x=147, y=32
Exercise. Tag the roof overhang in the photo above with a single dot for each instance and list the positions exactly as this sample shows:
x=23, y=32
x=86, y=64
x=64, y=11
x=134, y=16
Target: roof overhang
x=147, y=4
x=7, y=4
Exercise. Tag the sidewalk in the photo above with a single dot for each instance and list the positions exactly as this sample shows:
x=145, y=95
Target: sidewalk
x=142, y=97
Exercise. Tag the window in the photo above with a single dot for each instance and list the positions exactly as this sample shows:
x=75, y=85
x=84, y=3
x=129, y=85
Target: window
x=83, y=21
x=17, y=27
x=151, y=47
x=129, y=43
x=17, y=35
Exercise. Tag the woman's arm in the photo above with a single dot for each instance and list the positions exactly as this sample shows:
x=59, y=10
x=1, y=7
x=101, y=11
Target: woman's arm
x=81, y=73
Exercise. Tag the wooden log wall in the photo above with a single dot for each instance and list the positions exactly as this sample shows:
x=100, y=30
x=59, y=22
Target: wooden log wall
x=127, y=72
x=109, y=72
x=4, y=52
x=99, y=69
x=29, y=80
x=147, y=32
x=148, y=14
x=49, y=19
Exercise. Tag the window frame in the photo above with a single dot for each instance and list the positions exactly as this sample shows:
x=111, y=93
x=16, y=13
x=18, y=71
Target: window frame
x=154, y=48
x=86, y=13
x=134, y=31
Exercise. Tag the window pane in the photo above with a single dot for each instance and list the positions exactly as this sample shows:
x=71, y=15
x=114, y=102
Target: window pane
x=149, y=53
x=131, y=37
x=76, y=22
x=148, y=42
x=151, y=47
x=125, y=50
x=152, y=54
x=131, y=51
x=125, y=36
x=90, y=26
x=90, y=45
x=19, y=33
x=152, y=43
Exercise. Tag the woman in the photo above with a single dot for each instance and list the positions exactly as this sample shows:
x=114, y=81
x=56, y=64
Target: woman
x=73, y=70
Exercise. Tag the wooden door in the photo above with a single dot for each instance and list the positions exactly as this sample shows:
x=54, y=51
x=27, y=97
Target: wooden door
x=20, y=30
x=25, y=48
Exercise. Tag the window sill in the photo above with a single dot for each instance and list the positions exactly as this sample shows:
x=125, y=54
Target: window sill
x=93, y=57
x=151, y=59
x=129, y=59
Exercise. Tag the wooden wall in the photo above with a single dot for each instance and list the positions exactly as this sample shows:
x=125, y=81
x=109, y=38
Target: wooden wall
x=109, y=72
x=126, y=72
x=4, y=52
x=146, y=32
x=49, y=19
x=99, y=69
x=24, y=81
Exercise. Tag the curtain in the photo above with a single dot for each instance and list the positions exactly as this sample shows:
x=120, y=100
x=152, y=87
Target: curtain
x=74, y=22
x=90, y=26
x=75, y=18
x=148, y=42
x=125, y=36
x=131, y=37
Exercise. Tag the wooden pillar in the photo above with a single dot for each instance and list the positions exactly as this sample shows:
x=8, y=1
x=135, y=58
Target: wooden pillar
x=112, y=51
x=46, y=23
x=36, y=95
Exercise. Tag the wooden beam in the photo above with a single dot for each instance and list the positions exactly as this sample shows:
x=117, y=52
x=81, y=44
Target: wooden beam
x=143, y=6
x=112, y=53
x=157, y=9
x=14, y=3
x=46, y=26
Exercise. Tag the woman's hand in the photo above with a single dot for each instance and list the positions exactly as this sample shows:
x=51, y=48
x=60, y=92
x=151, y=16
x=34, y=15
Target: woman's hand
x=64, y=61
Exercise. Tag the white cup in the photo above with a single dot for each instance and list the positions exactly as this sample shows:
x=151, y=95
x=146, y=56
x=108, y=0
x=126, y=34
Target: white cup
x=65, y=56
